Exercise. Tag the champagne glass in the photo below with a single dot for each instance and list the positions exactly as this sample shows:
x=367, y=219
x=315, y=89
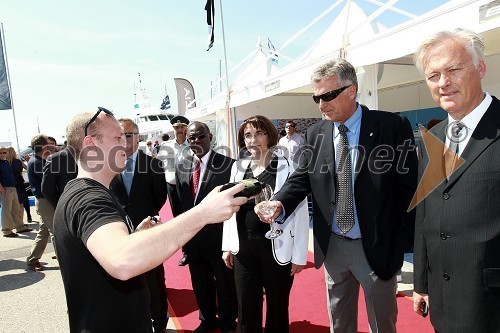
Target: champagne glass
x=267, y=210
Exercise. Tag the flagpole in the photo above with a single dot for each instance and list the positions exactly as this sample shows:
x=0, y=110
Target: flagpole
x=8, y=83
x=231, y=118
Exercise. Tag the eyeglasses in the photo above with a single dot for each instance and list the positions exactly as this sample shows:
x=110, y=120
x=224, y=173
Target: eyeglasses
x=192, y=138
x=258, y=135
x=329, y=96
x=128, y=135
x=99, y=110
x=289, y=126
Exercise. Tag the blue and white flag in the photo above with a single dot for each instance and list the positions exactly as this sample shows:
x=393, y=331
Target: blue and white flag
x=272, y=50
x=5, y=101
x=165, y=105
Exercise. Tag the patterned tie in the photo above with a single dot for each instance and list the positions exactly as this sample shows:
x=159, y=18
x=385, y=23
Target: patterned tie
x=196, y=178
x=128, y=175
x=451, y=156
x=343, y=191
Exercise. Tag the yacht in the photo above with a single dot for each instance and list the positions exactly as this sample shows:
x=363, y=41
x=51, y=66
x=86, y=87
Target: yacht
x=152, y=121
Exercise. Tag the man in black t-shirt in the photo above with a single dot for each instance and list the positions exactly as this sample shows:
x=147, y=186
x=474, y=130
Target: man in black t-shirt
x=102, y=256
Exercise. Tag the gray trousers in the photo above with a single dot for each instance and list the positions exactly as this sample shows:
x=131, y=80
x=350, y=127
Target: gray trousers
x=346, y=268
x=46, y=212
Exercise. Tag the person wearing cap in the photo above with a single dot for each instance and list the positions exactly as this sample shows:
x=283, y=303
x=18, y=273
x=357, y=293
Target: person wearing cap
x=172, y=153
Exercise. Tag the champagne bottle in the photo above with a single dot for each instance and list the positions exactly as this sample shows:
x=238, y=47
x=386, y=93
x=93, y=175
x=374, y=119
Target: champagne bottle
x=252, y=187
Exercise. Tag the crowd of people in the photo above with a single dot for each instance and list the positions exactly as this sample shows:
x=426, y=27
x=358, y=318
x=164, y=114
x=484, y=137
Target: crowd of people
x=373, y=199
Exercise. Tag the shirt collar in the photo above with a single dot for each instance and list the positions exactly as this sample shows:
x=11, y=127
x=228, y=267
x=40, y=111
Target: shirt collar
x=134, y=155
x=204, y=159
x=352, y=122
x=472, y=119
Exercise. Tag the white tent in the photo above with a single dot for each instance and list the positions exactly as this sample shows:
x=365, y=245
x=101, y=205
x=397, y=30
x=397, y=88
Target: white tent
x=383, y=57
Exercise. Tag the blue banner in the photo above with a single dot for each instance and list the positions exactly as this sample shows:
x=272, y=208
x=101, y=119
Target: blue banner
x=5, y=101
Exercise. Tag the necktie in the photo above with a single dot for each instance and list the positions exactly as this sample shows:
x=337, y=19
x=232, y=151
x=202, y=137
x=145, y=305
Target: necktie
x=451, y=156
x=343, y=191
x=128, y=175
x=196, y=178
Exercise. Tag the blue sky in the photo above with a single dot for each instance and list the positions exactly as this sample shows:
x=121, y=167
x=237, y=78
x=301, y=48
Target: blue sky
x=66, y=57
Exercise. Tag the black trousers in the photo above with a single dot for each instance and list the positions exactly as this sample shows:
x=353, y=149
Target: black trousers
x=155, y=279
x=256, y=271
x=213, y=286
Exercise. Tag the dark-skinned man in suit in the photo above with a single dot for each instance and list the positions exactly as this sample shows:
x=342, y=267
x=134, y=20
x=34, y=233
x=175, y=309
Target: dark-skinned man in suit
x=457, y=230
x=213, y=282
x=142, y=191
x=360, y=166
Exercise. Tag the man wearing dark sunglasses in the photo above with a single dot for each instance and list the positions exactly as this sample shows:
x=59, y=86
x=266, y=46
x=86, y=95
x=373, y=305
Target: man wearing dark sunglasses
x=101, y=254
x=142, y=190
x=196, y=176
x=361, y=168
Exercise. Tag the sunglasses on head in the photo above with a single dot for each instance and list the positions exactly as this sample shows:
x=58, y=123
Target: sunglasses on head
x=196, y=137
x=329, y=96
x=99, y=110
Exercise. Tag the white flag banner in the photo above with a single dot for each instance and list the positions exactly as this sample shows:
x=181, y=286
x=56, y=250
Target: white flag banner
x=185, y=95
x=5, y=101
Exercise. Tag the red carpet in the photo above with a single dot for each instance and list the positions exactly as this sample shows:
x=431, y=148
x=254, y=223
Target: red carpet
x=307, y=301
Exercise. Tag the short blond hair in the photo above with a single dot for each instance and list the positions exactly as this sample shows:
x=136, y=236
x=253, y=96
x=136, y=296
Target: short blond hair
x=75, y=132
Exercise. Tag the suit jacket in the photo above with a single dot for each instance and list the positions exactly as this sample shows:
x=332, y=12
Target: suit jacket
x=58, y=170
x=457, y=234
x=148, y=192
x=209, y=238
x=291, y=246
x=384, y=185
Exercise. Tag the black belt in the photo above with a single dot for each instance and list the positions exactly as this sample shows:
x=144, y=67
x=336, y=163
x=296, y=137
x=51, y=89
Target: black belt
x=345, y=237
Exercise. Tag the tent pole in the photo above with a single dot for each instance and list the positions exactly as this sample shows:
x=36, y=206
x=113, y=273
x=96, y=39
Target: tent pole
x=231, y=123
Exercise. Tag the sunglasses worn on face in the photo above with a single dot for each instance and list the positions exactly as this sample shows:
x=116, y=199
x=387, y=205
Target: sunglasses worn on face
x=128, y=135
x=3, y=152
x=99, y=110
x=329, y=96
x=192, y=138
x=289, y=126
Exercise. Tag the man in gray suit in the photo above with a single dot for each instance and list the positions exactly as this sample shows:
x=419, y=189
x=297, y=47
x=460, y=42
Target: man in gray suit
x=457, y=232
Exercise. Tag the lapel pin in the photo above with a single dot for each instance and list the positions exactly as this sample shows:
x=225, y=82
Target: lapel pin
x=371, y=134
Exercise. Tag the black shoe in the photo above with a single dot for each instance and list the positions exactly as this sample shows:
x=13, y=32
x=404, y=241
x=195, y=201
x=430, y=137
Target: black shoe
x=184, y=260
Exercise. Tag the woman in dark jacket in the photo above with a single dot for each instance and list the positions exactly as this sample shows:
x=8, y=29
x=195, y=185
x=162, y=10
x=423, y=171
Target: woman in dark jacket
x=17, y=168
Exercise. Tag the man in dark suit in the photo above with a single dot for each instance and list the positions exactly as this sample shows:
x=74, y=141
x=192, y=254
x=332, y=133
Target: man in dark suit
x=58, y=170
x=213, y=282
x=457, y=232
x=360, y=166
x=142, y=191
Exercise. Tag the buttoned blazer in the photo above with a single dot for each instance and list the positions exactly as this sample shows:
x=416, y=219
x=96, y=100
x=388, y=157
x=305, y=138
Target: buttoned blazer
x=457, y=236
x=292, y=245
x=385, y=180
x=217, y=172
x=148, y=192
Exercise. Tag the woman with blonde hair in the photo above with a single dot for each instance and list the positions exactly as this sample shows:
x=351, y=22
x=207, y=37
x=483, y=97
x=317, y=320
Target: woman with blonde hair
x=17, y=167
x=260, y=263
